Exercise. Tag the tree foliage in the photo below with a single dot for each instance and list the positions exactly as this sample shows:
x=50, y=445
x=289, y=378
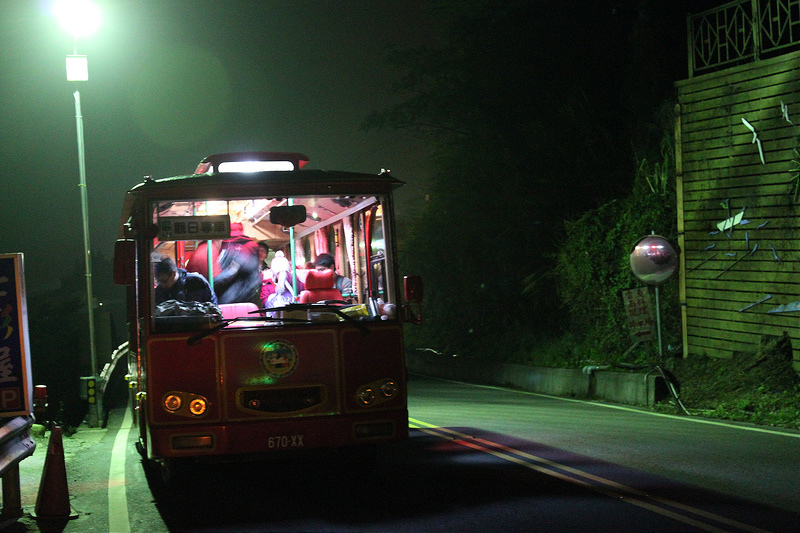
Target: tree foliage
x=532, y=127
x=592, y=262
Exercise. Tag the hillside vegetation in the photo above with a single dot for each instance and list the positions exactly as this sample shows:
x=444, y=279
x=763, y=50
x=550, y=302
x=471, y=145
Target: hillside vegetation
x=544, y=179
x=759, y=387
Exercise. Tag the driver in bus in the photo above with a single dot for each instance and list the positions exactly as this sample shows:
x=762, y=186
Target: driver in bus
x=177, y=284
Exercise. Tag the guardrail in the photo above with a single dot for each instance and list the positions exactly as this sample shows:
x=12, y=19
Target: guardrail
x=741, y=31
x=15, y=445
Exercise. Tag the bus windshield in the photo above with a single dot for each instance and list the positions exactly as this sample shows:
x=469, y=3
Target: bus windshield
x=269, y=261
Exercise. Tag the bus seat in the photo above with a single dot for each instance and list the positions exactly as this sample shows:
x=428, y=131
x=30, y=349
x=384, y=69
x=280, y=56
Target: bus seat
x=319, y=287
x=230, y=311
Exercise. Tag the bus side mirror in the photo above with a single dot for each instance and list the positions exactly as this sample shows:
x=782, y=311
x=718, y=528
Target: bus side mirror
x=413, y=289
x=412, y=286
x=125, y=262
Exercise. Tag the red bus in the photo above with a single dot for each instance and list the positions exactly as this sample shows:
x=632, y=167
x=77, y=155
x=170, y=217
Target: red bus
x=322, y=368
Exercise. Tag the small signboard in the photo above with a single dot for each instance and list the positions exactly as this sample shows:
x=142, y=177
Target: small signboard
x=639, y=310
x=16, y=382
x=194, y=228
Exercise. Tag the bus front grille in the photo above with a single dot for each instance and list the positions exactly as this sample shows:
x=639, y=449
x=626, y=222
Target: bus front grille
x=281, y=400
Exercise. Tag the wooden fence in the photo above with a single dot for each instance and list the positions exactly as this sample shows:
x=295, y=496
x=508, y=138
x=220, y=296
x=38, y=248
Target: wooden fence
x=738, y=166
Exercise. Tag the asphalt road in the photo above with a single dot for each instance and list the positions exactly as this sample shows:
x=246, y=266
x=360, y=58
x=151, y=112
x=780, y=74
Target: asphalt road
x=755, y=462
x=478, y=459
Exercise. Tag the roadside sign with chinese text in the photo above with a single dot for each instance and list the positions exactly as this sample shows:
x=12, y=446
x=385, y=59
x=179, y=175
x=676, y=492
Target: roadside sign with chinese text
x=639, y=310
x=16, y=382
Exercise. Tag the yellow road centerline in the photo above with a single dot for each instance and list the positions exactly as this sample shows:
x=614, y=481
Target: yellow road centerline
x=600, y=484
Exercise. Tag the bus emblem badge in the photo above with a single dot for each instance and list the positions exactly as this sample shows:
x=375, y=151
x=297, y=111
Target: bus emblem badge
x=279, y=358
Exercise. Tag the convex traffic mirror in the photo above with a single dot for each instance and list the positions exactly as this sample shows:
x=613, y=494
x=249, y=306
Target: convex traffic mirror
x=653, y=260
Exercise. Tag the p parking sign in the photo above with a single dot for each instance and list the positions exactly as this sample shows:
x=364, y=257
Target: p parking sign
x=16, y=382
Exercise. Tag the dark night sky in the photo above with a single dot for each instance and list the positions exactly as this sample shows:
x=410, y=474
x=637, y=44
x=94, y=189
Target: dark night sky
x=172, y=81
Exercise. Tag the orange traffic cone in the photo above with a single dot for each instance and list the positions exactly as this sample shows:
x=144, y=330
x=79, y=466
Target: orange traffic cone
x=53, y=499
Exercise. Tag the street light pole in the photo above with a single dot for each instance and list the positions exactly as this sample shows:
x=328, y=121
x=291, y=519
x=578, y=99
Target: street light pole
x=81, y=17
x=94, y=409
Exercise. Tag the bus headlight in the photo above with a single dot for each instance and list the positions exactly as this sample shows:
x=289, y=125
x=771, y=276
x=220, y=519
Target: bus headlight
x=377, y=392
x=185, y=403
x=198, y=406
x=172, y=402
x=366, y=395
x=389, y=388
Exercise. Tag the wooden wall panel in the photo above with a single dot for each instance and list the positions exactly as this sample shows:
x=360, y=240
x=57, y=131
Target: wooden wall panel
x=742, y=283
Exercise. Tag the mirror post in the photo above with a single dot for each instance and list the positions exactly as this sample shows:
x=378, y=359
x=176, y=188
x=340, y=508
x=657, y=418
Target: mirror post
x=658, y=324
x=653, y=260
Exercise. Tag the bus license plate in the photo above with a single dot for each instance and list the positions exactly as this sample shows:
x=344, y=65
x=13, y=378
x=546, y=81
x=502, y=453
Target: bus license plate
x=285, y=441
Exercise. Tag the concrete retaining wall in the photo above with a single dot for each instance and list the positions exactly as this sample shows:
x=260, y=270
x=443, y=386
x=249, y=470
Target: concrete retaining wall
x=632, y=388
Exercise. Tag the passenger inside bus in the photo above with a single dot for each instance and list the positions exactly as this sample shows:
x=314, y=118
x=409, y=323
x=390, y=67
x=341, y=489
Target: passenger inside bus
x=347, y=233
x=198, y=261
x=177, y=284
x=239, y=280
x=284, y=293
x=267, y=284
x=341, y=283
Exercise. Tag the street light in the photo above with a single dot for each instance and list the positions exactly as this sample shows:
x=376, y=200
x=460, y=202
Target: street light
x=81, y=18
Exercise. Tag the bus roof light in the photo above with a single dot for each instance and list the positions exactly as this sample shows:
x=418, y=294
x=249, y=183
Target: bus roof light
x=254, y=166
x=251, y=162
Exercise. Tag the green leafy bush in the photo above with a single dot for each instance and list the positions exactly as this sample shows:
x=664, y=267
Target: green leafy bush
x=592, y=264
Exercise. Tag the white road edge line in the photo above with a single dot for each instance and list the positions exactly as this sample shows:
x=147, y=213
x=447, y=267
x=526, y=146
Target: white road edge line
x=632, y=409
x=117, y=493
